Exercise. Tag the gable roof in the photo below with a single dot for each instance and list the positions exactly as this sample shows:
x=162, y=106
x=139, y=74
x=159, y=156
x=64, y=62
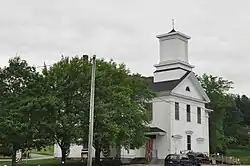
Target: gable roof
x=196, y=83
x=171, y=85
x=164, y=85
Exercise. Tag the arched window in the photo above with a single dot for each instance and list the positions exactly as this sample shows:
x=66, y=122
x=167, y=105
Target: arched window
x=188, y=89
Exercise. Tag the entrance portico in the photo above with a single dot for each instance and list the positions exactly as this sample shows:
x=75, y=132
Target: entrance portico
x=151, y=150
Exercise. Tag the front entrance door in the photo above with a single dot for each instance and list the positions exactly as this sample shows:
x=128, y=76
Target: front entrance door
x=149, y=149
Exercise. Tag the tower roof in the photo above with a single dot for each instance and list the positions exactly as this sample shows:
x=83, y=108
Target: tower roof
x=173, y=32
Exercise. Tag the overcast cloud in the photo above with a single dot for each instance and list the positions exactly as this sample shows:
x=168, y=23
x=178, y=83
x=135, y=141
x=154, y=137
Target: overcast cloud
x=125, y=30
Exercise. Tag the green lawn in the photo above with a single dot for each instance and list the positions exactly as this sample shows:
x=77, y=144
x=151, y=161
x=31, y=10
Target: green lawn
x=242, y=154
x=49, y=150
x=53, y=162
x=48, y=162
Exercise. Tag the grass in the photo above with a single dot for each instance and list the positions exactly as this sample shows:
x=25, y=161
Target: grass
x=242, y=154
x=54, y=162
x=49, y=150
x=47, y=162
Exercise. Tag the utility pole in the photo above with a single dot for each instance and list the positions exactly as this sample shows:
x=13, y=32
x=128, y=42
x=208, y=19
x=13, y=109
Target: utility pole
x=91, y=112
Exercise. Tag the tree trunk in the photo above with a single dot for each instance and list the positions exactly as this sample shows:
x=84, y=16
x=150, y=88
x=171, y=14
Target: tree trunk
x=118, y=152
x=97, y=155
x=64, y=152
x=13, y=162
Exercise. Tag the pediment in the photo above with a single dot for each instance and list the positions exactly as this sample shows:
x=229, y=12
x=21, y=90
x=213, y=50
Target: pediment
x=191, y=88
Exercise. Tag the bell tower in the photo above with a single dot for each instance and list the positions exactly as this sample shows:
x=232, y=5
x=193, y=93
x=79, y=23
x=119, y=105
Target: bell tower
x=173, y=62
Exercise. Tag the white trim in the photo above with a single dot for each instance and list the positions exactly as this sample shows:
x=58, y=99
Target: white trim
x=169, y=93
x=189, y=132
x=200, y=88
x=187, y=97
x=173, y=62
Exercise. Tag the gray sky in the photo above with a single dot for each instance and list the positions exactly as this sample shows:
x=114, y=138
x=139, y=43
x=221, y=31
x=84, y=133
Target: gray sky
x=125, y=30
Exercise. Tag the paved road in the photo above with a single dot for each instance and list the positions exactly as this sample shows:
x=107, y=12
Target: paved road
x=162, y=165
x=38, y=156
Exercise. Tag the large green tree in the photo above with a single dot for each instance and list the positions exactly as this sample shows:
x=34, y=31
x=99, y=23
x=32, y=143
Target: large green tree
x=21, y=101
x=68, y=81
x=217, y=89
x=243, y=104
x=233, y=121
x=120, y=104
x=120, y=107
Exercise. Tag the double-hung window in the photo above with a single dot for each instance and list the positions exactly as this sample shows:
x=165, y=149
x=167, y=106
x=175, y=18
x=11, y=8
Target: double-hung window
x=199, y=115
x=188, y=113
x=177, y=111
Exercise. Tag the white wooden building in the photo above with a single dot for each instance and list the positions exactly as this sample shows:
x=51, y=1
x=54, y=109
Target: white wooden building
x=180, y=119
x=179, y=109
